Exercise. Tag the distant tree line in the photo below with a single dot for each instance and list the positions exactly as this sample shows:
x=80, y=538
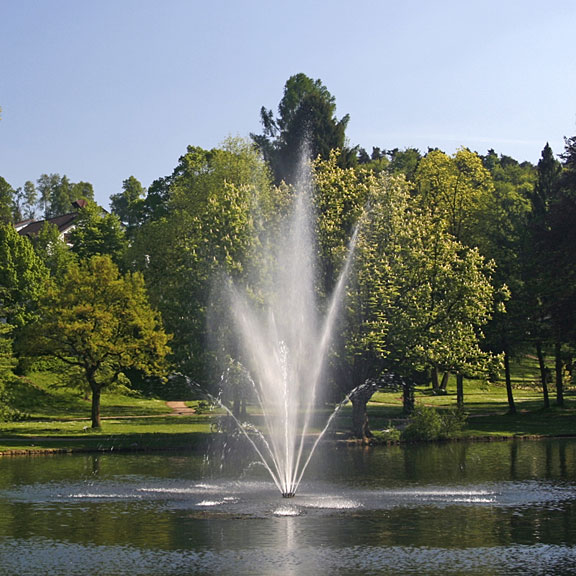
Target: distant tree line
x=463, y=261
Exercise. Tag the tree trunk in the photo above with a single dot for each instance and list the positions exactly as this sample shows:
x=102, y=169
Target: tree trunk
x=511, y=405
x=435, y=384
x=459, y=390
x=96, y=392
x=407, y=397
x=360, y=398
x=559, y=382
x=360, y=425
x=444, y=383
x=543, y=374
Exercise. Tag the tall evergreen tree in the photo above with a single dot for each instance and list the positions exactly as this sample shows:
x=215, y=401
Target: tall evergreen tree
x=550, y=270
x=306, y=122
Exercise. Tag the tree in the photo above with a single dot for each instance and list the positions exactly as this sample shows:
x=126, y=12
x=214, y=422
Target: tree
x=53, y=250
x=549, y=269
x=100, y=324
x=560, y=247
x=57, y=194
x=306, y=120
x=454, y=190
x=458, y=194
x=129, y=204
x=7, y=195
x=442, y=298
x=205, y=224
x=503, y=238
x=22, y=277
x=418, y=299
x=404, y=162
x=6, y=357
x=7, y=364
x=98, y=232
x=29, y=200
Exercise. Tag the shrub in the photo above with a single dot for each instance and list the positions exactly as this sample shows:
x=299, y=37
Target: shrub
x=427, y=424
x=390, y=435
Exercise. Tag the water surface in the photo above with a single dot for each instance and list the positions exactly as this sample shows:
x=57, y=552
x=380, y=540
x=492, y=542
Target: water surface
x=497, y=508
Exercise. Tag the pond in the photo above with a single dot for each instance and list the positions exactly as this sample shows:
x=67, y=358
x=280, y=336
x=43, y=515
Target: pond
x=457, y=508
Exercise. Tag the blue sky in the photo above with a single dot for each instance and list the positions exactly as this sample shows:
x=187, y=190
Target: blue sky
x=103, y=90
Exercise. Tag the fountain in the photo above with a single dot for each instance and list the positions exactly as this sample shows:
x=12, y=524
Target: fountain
x=284, y=346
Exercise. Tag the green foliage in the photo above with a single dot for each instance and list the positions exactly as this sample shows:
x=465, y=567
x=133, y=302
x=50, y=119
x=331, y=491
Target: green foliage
x=306, y=121
x=6, y=357
x=7, y=378
x=454, y=189
x=129, y=204
x=22, y=277
x=100, y=324
x=427, y=424
x=212, y=222
x=340, y=195
x=390, y=435
x=405, y=162
x=57, y=193
x=98, y=232
x=419, y=297
x=53, y=250
x=503, y=238
x=7, y=195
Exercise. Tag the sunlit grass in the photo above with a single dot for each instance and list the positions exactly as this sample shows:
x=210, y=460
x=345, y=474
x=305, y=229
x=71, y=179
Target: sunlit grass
x=58, y=418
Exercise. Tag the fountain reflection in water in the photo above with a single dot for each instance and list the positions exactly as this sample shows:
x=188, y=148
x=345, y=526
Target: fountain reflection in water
x=284, y=345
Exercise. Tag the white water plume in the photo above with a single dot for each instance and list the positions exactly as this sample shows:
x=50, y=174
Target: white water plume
x=284, y=345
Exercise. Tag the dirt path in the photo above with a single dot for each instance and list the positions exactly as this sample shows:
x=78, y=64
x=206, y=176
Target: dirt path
x=180, y=409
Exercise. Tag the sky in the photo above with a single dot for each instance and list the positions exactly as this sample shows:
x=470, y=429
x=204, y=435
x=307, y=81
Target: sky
x=103, y=90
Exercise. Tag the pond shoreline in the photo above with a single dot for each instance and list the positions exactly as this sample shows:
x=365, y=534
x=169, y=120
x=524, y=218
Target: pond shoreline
x=35, y=446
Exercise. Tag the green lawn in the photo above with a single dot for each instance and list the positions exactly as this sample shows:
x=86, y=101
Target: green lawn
x=58, y=418
x=486, y=406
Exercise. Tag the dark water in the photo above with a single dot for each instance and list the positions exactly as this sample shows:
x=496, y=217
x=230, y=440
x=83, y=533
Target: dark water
x=498, y=508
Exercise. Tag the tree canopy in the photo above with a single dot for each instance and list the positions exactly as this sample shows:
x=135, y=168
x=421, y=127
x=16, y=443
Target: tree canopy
x=306, y=123
x=99, y=324
x=23, y=277
x=460, y=258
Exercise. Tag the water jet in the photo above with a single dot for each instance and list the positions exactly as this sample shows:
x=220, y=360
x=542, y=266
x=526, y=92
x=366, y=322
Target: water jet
x=283, y=341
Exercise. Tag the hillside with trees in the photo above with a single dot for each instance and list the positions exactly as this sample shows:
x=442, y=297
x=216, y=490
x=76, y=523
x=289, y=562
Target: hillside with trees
x=464, y=262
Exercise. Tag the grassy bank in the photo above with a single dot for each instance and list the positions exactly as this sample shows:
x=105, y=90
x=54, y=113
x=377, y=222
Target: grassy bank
x=57, y=418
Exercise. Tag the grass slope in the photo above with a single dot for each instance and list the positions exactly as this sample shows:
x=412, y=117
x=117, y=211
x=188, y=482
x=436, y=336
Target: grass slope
x=57, y=418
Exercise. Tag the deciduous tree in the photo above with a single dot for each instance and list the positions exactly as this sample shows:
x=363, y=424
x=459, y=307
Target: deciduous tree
x=22, y=277
x=454, y=190
x=208, y=226
x=98, y=232
x=419, y=298
x=99, y=324
x=57, y=194
x=129, y=204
